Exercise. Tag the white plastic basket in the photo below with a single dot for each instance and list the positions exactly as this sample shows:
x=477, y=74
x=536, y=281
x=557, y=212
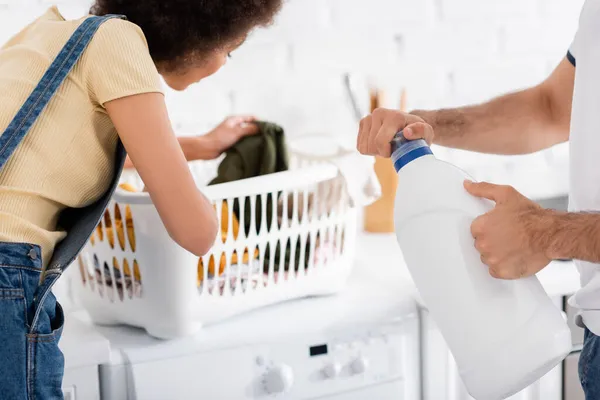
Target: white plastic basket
x=137, y=275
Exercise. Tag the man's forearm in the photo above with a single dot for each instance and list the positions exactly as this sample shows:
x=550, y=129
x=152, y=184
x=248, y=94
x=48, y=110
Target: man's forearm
x=573, y=236
x=515, y=123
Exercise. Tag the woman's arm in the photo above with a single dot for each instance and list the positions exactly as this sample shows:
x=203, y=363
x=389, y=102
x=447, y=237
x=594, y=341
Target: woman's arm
x=144, y=127
x=215, y=142
x=194, y=148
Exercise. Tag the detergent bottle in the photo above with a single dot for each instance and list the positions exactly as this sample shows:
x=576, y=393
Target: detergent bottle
x=504, y=335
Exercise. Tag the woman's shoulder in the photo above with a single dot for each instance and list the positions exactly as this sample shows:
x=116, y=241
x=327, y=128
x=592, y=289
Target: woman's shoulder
x=118, y=44
x=118, y=63
x=119, y=32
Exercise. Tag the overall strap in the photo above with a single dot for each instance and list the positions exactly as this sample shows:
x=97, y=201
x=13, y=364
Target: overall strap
x=48, y=85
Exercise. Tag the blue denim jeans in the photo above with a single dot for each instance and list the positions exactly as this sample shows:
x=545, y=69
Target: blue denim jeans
x=589, y=366
x=31, y=322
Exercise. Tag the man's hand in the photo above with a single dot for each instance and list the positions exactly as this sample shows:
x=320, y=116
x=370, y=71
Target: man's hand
x=379, y=128
x=513, y=237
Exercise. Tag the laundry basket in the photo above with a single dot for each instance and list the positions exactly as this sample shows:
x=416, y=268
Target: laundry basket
x=283, y=236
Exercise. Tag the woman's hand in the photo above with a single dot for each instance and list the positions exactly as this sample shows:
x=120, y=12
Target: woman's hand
x=379, y=128
x=226, y=134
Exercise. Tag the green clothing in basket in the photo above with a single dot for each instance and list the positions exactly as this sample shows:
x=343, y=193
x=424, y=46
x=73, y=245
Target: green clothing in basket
x=256, y=155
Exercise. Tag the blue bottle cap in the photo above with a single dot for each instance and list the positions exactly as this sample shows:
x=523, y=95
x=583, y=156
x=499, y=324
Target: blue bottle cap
x=405, y=151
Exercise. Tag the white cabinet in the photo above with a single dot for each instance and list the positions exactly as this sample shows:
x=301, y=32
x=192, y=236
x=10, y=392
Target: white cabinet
x=84, y=350
x=442, y=382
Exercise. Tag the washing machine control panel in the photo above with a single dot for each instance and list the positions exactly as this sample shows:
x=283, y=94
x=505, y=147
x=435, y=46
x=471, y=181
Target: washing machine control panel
x=322, y=366
x=332, y=370
x=278, y=379
x=360, y=362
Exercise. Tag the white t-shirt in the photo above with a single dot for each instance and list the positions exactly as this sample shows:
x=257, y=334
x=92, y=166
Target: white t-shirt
x=584, y=53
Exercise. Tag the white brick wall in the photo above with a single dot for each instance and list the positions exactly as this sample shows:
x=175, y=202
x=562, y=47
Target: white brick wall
x=445, y=52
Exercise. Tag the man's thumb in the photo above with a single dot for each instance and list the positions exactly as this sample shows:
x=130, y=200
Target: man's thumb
x=485, y=190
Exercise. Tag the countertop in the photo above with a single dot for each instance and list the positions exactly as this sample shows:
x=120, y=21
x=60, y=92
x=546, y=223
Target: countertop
x=379, y=289
x=379, y=256
x=541, y=175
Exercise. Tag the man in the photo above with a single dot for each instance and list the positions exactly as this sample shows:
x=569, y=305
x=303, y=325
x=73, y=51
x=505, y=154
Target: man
x=518, y=238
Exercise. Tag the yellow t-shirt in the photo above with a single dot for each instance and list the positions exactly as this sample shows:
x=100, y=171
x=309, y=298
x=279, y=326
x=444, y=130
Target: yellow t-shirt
x=66, y=159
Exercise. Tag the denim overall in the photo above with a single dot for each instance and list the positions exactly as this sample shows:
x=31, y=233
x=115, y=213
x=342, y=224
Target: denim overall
x=31, y=320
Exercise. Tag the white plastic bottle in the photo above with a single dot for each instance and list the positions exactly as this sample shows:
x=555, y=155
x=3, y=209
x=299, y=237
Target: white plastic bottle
x=504, y=335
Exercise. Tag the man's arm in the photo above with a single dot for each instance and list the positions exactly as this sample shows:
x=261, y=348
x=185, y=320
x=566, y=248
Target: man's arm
x=518, y=238
x=516, y=123
x=574, y=236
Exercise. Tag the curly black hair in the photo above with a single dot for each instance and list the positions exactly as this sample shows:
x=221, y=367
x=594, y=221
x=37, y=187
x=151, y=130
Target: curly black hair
x=180, y=31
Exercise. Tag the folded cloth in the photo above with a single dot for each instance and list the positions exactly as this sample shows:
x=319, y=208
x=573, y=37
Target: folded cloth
x=362, y=185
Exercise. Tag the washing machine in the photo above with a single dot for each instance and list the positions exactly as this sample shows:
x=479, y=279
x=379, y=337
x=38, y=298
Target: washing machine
x=360, y=344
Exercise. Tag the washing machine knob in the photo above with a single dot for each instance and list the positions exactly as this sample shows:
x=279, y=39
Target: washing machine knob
x=279, y=379
x=332, y=370
x=359, y=365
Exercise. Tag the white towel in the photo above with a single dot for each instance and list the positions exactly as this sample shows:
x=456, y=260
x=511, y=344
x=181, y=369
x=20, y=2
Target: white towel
x=362, y=184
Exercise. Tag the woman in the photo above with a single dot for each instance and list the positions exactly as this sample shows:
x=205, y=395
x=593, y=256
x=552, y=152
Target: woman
x=73, y=93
